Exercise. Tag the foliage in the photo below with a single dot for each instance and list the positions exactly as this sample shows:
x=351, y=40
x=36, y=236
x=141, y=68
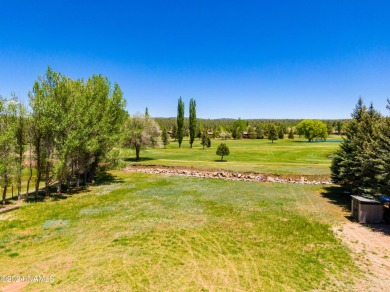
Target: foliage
x=238, y=128
x=192, y=121
x=164, y=138
x=251, y=132
x=291, y=133
x=174, y=132
x=362, y=162
x=75, y=123
x=272, y=133
x=205, y=140
x=141, y=132
x=223, y=133
x=313, y=129
x=180, y=121
x=8, y=147
x=281, y=133
x=223, y=150
x=259, y=132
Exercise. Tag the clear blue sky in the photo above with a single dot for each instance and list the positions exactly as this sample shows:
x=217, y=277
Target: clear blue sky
x=248, y=59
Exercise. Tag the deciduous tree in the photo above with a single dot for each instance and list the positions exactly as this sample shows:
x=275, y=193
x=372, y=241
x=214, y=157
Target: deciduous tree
x=141, y=132
x=313, y=129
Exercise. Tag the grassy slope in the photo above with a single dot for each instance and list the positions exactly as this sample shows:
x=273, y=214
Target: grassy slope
x=282, y=157
x=169, y=233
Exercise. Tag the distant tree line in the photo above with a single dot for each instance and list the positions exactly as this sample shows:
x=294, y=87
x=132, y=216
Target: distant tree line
x=362, y=163
x=70, y=128
x=235, y=128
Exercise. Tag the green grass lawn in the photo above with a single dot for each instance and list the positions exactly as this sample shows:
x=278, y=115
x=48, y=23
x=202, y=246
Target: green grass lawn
x=296, y=157
x=149, y=232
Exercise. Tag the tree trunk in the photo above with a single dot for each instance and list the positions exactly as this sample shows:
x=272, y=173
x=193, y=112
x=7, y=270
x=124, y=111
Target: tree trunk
x=48, y=165
x=137, y=151
x=59, y=187
x=38, y=167
x=78, y=179
x=30, y=168
x=37, y=183
x=221, y=157
x=4, y=193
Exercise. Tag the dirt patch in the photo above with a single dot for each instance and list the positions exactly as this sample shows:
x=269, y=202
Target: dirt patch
x=371, y=251
x=8, y=209
x=14, y=287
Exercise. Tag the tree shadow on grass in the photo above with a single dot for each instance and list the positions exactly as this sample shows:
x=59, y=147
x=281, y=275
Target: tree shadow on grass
x=338, y=196
x=102, y=178
x=54, y=196
x=219, y=160
x=106, y=178
x=133, y=159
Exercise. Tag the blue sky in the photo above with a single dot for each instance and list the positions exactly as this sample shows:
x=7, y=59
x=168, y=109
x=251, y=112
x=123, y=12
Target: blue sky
x=248, y=59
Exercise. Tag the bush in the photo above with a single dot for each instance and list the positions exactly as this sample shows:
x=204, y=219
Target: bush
x=223, y=150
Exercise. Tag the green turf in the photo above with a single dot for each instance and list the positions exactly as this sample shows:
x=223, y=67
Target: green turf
x=296, y=157
x=147, y=232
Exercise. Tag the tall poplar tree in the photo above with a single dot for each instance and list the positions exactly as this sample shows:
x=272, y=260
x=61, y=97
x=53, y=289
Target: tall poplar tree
x=180, y=121
x=192, y=121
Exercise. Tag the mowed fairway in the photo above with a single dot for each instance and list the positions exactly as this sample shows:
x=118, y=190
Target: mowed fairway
x=148, y=232
x=296, y=157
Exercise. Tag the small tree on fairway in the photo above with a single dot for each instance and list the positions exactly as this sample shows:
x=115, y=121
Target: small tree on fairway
x=206, y=141
x=272, y=133
x=223, y=150
x=141, y=132
x=174, y=132
x=291, y=134
x=164, y=138
x=281, y=133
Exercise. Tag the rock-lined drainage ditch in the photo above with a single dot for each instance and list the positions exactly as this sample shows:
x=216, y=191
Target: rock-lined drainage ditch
x=226, y=175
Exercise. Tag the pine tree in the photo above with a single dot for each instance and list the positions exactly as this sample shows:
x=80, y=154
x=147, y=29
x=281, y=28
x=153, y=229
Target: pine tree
x=272, y=133
x=291, y=133
x=281, y=133
x=357, y=164
x=164, y=138
x=206, y=141
x=223, y=150
x=174, y=133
